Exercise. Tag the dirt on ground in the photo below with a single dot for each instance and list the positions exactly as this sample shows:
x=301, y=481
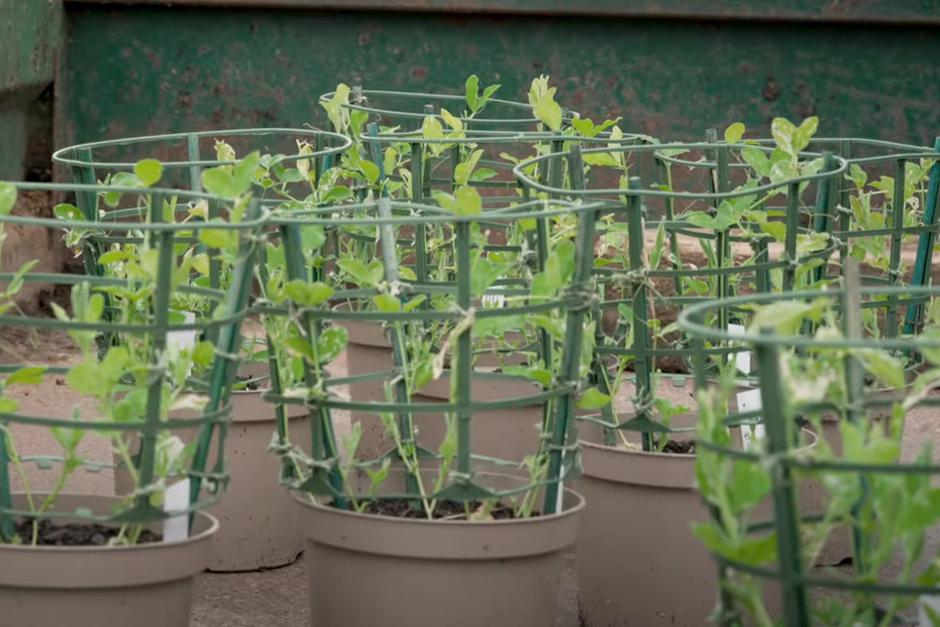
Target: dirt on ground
x=32, y=243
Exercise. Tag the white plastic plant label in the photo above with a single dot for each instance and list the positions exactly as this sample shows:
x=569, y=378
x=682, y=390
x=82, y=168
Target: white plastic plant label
x=749, y=400
x=929, y=611
x=176, y=499
x=742, y=359
x=182, y=340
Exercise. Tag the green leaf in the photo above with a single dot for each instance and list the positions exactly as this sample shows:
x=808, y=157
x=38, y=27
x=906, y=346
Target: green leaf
x=308, y=294
x=431, y=128
x=387, y=303
x=299, y=346
x=84, y=378
x=330, y=343
x=750, y=484
x=231, y=181
x=482, y=174
x=777, y=230
x=7, y=197
x=804, y=133
x=734, y=133
x=148, y=171
x=541, y=375
x=883, y=366
x=365, y=275
x=784, y=316
x=8, y=405
x=218, y=238
x=337, y=194
x=469, y=202
x=203, y=354
x=452, y=121
x=370, y=171
x=549, y=113
x=464, y=170
x=67, y=211
x=472, y=92
x=114, y=256
x=782, y=131
x=701, y=219
x=29, y=375
x=592, y=398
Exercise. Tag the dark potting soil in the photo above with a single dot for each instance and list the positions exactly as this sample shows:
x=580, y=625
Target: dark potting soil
x=74, y=534
x=250, y=385
x=680, y=447
x=402, y=508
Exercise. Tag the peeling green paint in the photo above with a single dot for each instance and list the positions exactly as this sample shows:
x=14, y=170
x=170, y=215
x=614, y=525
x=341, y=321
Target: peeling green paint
x=138, y=70
x=30, y=37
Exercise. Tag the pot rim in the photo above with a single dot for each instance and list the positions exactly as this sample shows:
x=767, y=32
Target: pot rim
x=812, y=441
x=208, y=531
x=566, y=512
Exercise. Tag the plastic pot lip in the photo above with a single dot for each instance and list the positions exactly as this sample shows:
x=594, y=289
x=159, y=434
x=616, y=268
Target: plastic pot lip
x=812, y=441
x=205, y=534
x=466, y=524
x=628, y=451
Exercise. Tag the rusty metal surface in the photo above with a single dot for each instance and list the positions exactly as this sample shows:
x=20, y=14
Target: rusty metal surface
x=30, y=37
x=145, y=70
x=882, y=11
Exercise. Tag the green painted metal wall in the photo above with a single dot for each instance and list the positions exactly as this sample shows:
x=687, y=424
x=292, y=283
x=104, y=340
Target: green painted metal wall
x=669, y=70
x=30, y=38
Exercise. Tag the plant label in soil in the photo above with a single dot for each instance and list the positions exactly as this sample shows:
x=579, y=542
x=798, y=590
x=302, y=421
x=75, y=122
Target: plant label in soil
x=176, y=499
x=742, y=359
x=929, y=611
x=749, y=400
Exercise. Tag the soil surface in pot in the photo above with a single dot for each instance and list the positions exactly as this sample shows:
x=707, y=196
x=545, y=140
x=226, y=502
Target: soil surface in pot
x=680, y=447
x=451, y=510
x=245, y=382
x=74, y=534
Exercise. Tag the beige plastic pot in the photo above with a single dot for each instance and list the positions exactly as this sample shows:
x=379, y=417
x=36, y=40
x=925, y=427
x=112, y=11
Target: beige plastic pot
x=368, y=350
x=257, y=518
x=638, y=562
x=367, y=570
x=508, y=434
x=149, y=585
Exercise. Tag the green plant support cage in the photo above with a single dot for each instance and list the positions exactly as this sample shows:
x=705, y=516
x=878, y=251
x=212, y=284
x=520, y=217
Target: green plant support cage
x=817, y=354
x=127, y=310
x=458, y=308
x=759, y=251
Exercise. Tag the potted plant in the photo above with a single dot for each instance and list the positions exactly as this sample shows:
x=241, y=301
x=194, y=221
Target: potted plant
x=403, y=522
x=814, y=353
x=638, y=456
x=422, y=147
x=129, y=558
x=258, y=525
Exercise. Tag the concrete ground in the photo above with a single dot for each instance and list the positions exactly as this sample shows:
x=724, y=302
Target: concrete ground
x=272, y=598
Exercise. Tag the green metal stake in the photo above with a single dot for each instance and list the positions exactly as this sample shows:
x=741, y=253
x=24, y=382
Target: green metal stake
x=399, y=355
x=822, y=218
x=727, y=611
x=922, y=265
x=6, y=497
x=460, y=375
x=793, y=223
x=642, y=364
x=897, y=228
x=854, y=380
x=773, y=401
x=161, y=312
x=571, y=359
x=228, y=343
x=323, y=442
